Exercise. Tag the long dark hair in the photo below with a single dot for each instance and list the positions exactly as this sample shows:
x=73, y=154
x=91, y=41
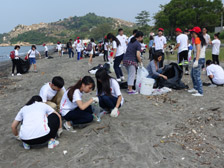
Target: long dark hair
x=87, y=80
x=201, y=37
x=111, y=36
x=103, y=82
x=33, y=100
x=217, y=35
x=138, y=34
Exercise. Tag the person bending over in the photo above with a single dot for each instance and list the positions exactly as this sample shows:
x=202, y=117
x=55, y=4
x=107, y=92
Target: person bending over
x=215, y=73
x=39, y=124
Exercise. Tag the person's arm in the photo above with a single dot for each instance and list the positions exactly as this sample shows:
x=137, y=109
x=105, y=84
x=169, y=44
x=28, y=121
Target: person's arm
x=14, y=127
x=139, y=56
x=114, y=52
x=198, y=47
x=177, y=46
x=83, y=105
x=118, y=101
x=156, y=73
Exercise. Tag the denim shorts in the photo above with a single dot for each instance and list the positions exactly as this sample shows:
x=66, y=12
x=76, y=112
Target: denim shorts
x=32, y=61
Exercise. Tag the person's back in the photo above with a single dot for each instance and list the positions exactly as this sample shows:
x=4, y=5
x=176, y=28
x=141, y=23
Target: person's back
x=182, y=39
x=217, y=72
x=123, y=41
x=131, y=53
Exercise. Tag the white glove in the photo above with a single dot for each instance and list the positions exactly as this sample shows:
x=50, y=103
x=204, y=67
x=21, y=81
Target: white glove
x=18, y=138
x=195, y=64
x=114, y=112
x=95, y=99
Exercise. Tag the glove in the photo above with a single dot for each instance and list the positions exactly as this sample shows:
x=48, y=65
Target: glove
x=114, y=112
x=95, y=99
x=18, y=138
x=111, y=61
x=195, y=64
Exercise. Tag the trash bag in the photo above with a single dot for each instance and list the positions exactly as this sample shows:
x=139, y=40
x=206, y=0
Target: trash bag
x=24, y=66
x=174, y=74
x=95, y=69
x=141, y=73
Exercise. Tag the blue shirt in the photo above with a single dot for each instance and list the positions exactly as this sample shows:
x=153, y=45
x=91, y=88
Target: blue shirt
x=151, y=43
x=152, y=69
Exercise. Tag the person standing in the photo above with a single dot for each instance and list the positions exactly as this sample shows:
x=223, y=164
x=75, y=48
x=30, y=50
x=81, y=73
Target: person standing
x=45, y=50
x=16, y=62
x=199, y=60
x=133, y=35
x=207, y=40
x=216, y=49
x=79, y=49
x=182, y=45
x=160, y=44
x=32, y=57
x=91, y=48
x=131, y=59
x=70, y=49
x=151, y=48
x=106, y=48
x=59, y=48
x=123, y=39
x=118, y=54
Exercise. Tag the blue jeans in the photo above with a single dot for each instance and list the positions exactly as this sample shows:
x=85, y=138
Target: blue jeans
x=196, y=76
x=117, y=63
x=107, y=102
x=78, y=116
x=78, y=55
x=70, y=53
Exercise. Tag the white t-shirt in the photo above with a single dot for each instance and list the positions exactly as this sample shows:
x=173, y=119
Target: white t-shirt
x=47, y=93
x=123, y=40
x=32, y=53
x=35, y=122
x=105, y=46
x=59, y=46
x=16, y=54
x=66, y=105
x=45, y=48
x=182, y=39
x=79, y=47
x=93, y=45
x=207, y=39
x=216, y=46
x=217, y=72
x=159, y=42
x=120, y=50
x=129, y=39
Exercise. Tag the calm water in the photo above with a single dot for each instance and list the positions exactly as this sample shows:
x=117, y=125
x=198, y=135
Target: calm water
x=5, y=51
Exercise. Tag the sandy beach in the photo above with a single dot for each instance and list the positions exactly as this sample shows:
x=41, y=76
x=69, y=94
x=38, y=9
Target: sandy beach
x=175, y=130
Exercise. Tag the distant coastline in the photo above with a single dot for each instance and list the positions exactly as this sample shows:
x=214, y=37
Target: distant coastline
x=21, y=44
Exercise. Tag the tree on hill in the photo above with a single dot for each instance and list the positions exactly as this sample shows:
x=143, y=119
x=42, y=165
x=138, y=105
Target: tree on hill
x=189, y=13
x=143, y=18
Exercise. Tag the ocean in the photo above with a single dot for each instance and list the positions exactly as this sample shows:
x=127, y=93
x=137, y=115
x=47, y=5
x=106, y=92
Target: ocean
x=5, y=51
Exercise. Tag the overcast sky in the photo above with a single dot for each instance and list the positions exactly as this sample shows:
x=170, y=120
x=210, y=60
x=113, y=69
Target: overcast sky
x=27, y=12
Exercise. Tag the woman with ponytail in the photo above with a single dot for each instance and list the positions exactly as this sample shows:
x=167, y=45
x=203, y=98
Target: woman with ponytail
x=132, y=58
x=216, y=48
x=118, y=54
x=73, y=109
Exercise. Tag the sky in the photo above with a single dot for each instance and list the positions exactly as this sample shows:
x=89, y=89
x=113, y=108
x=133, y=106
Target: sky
x=27, y=12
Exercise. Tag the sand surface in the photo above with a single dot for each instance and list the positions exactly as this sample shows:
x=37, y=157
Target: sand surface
x=169, y=131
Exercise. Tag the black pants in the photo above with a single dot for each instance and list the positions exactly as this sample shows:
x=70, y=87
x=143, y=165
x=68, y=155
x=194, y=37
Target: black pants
x=150, y=54
x=53, y=124
x=46, y=53
x=215, y=59
x=78, y=116
x=105, y=55
x=117, y=68
x=16, y=63
x=183, y=56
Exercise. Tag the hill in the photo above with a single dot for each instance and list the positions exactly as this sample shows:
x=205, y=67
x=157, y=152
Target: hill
x=86, y=26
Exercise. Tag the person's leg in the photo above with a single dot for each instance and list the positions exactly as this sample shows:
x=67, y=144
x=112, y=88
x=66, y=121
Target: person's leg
x=13, y=66
x=78, y=55
x=217, y=58
x=131, y=76
x=72, y=53
x=54, y=124
x=193, y=79
x=197, y=76
x=52, y=104
x=107, y=102
x=117, y=69
x=180, y=60
x=185, y=57
x=120, y=60
x=213, y=58
x=90, y=58
x=69, y=52
x=78, y=116
x=57, y=99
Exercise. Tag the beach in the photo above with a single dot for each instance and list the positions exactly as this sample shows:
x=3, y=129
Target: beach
x=175, y=130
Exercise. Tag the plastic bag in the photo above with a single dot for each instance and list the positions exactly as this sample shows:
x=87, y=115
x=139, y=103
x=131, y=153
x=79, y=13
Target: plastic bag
x=141, y=73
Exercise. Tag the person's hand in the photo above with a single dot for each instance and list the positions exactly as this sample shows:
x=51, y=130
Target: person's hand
x=111, y=60
x=95, y=99
x=114, y=112
x=195, y=64
x=165, y=77
x=17, y=138
x=141, y=65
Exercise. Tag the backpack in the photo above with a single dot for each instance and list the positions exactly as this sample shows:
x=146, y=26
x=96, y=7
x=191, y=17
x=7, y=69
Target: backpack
x=12, y=54
x=89, y=47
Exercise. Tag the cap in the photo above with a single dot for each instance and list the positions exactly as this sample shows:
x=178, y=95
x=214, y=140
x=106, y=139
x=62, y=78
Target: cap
x=78, y=37
x=105, y=37
x=161, y=29
x=44, y=44
x=178, y=30
x=196, y=30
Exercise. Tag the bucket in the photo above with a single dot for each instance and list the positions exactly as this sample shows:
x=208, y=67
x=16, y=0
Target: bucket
x=147, y=86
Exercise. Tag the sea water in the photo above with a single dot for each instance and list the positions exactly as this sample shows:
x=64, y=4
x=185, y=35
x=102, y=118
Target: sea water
x=5, y=51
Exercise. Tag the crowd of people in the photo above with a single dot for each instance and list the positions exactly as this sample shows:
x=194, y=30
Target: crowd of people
x=42, y=116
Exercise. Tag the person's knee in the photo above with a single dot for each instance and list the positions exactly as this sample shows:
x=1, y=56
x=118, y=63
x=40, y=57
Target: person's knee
x=53, y=105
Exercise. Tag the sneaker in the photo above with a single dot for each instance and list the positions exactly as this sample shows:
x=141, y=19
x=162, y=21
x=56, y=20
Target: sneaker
x=118, y=80
x=192, y=91
x=186, y=73
x=35, y=71
x=26, y=146
x=197, y=94
x=122, y=78
x=133, y=92
x=212, y=86
x=67, y=127
x=89, y=64
x=18, y=74
x=52, y=143
x=60, y=130
x=12, y=74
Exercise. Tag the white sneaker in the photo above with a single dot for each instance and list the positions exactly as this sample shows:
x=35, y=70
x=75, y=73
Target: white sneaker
x=192, y=91
x=186, y=73
x=122, y=78
x=60, y=130
x=18, y=74
x=212, y=86
x=12, y=74
x=67, y=127
x=119, y=80
x=52, y=144
x=26, y=146
x=197, y=94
